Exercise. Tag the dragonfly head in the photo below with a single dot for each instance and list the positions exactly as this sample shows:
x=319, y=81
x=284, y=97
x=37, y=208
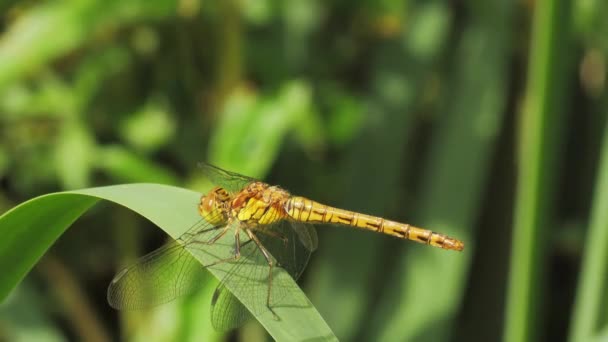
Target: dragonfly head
x=214, y=206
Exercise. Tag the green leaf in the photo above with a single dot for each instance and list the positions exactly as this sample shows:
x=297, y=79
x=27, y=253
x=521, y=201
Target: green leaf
x=30, y=228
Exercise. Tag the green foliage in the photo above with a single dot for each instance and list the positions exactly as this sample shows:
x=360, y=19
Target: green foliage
x=483, y=120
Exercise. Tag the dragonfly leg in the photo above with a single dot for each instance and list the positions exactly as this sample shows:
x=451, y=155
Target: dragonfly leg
x=217, y=237
x=270, y=266
x=213, y=239
x=237, y=249
x=186, y=236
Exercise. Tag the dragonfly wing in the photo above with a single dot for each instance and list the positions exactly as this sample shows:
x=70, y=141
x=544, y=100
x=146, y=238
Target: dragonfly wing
x=233, y=313
x=249, y=276
x=164, y=274
x=159, y=277
x=293, y=250
x=245, y=277
x=231, y=181
x=307, y=235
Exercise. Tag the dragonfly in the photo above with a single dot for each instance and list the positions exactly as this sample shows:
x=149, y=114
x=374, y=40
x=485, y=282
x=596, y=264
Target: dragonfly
x=255, y=228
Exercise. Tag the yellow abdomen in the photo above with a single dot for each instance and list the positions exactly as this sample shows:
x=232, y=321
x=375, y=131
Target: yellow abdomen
x=305, y=210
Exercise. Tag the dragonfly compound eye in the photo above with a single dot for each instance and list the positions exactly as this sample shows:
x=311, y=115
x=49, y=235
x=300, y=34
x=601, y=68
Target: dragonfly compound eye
x=213, y=207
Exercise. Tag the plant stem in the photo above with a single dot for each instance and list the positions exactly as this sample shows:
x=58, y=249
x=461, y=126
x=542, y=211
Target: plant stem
x=538, y=165
x=592, y=284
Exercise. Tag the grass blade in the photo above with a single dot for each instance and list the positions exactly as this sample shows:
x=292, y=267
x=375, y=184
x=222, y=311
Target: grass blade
x=592, y=284
x=541, y=123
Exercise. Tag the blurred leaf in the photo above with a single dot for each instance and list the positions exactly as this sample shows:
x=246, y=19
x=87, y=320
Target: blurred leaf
x=126, y=166
x=4, y=161
x=250, y=131
x=301, y=17
x=185, y=319
x=50, y=97
x=74, y=153
x=346, y=116
x=429, y=29
x=150, y=128
x=258, y=12
x=26, y=45
x=539, y=153
x=95, y=69
x=588, y=318
x=31, y=228
x=23, y=319
x=588, y=20
x=431, y=285
x=193, y=327
x=371, y=174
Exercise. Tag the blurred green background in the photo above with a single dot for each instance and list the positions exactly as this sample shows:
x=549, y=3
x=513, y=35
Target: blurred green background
x=484, y=120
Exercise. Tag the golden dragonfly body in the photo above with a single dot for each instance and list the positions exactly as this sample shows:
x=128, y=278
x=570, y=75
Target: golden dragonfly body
x=261, y=204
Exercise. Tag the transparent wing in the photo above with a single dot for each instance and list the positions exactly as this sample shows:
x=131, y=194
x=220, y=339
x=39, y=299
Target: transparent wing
x=159, y=277
x=164, y=274
x=231, y=181
x=307, y=235
x=290, y=243
x=250, y=274
x=227, y=312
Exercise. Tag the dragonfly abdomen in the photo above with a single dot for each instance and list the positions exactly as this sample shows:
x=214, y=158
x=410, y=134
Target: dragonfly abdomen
x=305, y=210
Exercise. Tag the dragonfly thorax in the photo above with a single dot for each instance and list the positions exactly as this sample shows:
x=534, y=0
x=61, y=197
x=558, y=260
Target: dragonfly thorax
x=259, y=203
